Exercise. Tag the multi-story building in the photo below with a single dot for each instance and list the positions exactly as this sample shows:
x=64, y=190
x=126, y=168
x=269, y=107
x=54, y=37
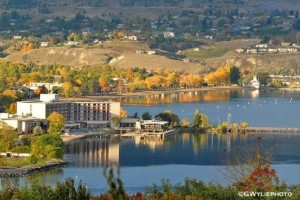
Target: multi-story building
x=91, y=114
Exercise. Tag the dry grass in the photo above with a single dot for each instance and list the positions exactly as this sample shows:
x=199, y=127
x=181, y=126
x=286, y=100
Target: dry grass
x=14, y=162
x=125, y=46
x=157, y=62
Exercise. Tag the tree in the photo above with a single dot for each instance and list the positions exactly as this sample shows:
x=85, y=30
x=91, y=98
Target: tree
x=136, y=115
x=116, y=121
x=48, y=146
x=234, y=75
x=197, y=120
x=244, y=125
x=200, y=121
x=56, y=123
x=185, y=122
x=223, y=128
x=41, y=90
x=68, y=89
x=220, y=76
x=264, y=78
x=146, y=116
x=12, y=108
x=8, y=137
x=250, y=170
x=37, y=130
x=169, y=116
x=123, y=112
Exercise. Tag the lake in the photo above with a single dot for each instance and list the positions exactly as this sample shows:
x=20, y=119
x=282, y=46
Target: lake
x=257, y=107
x=194, y=155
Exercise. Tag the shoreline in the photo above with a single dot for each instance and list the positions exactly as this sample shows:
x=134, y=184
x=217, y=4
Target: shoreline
x=153, y=92
x=22, y=171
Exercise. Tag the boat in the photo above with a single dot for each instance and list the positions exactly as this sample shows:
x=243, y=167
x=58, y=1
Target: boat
x=254, y=83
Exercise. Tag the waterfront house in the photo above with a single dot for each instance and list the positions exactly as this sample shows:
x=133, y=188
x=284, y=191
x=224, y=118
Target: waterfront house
x=154, y=126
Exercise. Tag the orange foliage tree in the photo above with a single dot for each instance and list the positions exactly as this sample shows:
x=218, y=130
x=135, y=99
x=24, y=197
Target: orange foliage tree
x=123, y=112
x=41, y=90
x=251, y=171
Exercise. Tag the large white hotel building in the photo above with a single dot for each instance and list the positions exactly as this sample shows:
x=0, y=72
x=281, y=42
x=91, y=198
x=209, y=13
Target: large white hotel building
x=90, y=114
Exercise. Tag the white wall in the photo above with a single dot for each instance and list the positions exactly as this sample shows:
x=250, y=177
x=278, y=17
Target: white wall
x=23, y=108
x=115, y=108
x=39, y=110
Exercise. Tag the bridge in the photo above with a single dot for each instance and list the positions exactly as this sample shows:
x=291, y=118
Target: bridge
x=269, y=129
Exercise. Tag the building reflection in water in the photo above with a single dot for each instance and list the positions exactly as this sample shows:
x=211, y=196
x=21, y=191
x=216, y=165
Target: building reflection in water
x=94, y=151
x=218, y=142
x=152, y=143
x=195, y=96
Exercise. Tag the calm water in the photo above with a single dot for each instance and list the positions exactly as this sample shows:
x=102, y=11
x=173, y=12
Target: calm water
x=258, y=108
x=193, y=155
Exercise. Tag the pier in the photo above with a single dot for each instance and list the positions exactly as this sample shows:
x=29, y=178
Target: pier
x=151, y=135
x=269, y=130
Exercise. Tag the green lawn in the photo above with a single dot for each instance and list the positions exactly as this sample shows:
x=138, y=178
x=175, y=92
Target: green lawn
x=209, y=53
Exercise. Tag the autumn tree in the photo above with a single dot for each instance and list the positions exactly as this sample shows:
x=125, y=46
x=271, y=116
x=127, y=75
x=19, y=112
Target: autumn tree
x=56, y=123
x=116, y=122
x=155, y=82
x=185, y=122
x=12, y=108
x=250, y=170
x=191, y=80
x=200, y=121
x=103, y=83
x=73, y=37
x=68, y=89
x=172, y=79
x=123, y=112
x=27, y=47
x=41, y=90
x=220, y=76
x=47, y=146
x=8, y=137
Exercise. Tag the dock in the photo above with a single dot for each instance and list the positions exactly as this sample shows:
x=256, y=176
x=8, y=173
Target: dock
x=151, y=135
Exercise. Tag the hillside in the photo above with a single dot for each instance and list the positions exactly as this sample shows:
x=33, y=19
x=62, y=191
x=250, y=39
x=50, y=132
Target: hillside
x=78, y=57
x=124, y=55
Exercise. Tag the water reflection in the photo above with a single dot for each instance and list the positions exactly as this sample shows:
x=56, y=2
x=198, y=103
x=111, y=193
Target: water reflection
x=93, y=152
x=265, y=108
x=144, y=162
x=195, y=96
x=184, y=148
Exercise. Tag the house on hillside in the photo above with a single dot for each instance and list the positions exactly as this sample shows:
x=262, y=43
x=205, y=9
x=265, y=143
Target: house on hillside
x=45, y=44
x=168, y=34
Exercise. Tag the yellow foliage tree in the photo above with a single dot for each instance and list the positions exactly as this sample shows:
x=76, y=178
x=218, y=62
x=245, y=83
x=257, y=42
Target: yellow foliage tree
x=185, y=122
x=221, y=76
x=12, y=108
x=191, y=80
x=155, y=81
